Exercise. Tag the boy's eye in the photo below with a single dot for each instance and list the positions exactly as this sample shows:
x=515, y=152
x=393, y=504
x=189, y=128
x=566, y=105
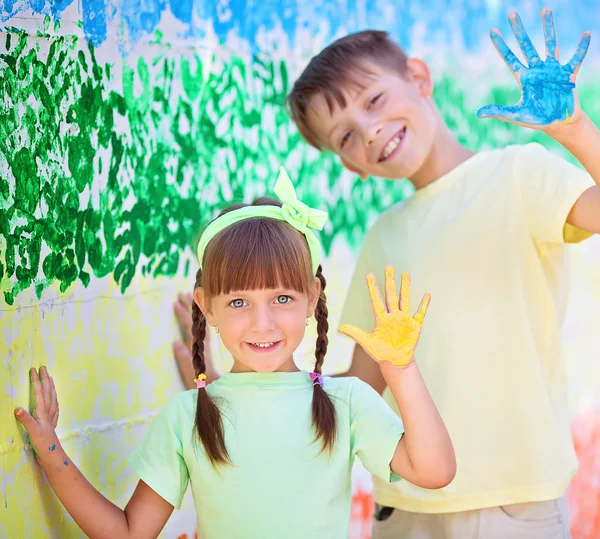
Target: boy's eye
x=282, y=300
x=345, y=139
x=375, y=99
x=237, y=303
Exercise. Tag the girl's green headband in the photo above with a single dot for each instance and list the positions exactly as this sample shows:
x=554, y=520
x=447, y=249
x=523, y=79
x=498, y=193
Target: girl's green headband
x=293, y=211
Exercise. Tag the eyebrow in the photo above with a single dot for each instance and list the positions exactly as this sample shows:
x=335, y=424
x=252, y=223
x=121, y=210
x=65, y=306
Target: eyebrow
x=362, y=91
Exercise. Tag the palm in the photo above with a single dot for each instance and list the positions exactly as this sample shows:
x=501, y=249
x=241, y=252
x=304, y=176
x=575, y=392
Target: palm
x=396, y=333
x=548, y=93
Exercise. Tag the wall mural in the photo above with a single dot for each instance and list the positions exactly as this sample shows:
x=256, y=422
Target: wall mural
x=125, y=127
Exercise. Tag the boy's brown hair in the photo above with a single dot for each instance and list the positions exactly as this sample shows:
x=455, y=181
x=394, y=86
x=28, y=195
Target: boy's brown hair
x=343, y=63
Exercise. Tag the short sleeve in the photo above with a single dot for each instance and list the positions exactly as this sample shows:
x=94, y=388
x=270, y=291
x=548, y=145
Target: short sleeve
x=357, y=310
x=549, y=186
x=375, y=431
x=158, y=460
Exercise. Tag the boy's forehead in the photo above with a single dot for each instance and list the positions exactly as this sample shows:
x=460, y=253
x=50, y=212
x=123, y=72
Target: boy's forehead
x=350, y=84
x=323, y=109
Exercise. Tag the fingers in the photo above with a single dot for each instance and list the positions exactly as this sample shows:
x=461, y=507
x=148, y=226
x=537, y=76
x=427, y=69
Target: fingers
x=46, y=388
x=523, y=39
x=183, y=312
x=38, y=392
x=391, y=296
x=513, y=63
x=354, y=333
x=513, y=113
x=376, y=301
x=26, y=420
x=549, y=34
x=422, y=310
x=584, y=44
x=53, y=409
x=405, y=293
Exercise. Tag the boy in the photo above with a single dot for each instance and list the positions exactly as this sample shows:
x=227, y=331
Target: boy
x=485, y=233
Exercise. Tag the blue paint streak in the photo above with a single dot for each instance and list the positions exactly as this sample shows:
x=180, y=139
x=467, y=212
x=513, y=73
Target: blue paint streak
x=94, y=21
x=65, y=463
x=182, y=10
x=248, y=19
x=56, y=7
x=10, y=8
x=141, y=18
x=52, y=447
x=37, y=5
x=441, y=19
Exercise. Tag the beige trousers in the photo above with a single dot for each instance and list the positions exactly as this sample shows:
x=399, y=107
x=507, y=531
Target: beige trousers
x=537, y=520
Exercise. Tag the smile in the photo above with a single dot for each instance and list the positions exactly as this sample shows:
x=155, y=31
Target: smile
x=392, y=145
x=264, y=345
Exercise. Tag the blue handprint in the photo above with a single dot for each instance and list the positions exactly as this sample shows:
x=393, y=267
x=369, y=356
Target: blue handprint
x=548, y=88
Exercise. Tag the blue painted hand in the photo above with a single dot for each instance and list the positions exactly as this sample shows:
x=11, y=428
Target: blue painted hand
x=549, y=97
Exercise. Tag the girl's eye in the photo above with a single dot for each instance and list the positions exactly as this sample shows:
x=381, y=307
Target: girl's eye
x=282, y=300
x=345, y=139
x=237, y=303
x=375, y=99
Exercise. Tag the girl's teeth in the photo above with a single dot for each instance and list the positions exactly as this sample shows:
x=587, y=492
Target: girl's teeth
x=263, y=344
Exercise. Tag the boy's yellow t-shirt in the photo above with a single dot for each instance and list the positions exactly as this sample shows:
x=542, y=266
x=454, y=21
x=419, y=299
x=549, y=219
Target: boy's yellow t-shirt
x=487, y=240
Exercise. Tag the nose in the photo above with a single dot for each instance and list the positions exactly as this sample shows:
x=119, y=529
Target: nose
x=263, y=319
x=371, y=132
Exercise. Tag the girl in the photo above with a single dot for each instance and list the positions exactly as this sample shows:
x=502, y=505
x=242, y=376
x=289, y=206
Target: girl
x=268, y=448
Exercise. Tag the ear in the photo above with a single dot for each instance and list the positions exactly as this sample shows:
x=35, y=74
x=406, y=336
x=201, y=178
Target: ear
x=362, y=174
x=313, y=298
x=418, y=72
x=200, y=300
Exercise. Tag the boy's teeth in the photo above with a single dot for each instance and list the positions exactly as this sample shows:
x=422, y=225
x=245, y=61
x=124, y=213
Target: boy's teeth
x=393, y=144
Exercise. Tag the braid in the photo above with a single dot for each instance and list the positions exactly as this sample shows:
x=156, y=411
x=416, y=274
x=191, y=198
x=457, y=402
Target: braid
x=321, y=314
x=209, y=423
x=323, y=410
x=198, y=336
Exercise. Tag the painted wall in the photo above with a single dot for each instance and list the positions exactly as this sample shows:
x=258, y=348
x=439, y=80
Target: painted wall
x=125, y=125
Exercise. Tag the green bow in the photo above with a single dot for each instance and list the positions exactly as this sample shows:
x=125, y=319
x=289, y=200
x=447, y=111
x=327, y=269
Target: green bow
x=302, y=217
x=295, y=212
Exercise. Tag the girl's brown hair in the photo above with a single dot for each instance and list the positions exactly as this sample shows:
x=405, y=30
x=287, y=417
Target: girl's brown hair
x=254, y=254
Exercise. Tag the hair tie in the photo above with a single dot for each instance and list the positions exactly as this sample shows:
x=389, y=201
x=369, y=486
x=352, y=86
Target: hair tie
x=200, y=383
x=316, y=378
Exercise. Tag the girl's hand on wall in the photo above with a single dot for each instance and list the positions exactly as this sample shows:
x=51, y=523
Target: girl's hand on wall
x=41, y=426
x=396, y=332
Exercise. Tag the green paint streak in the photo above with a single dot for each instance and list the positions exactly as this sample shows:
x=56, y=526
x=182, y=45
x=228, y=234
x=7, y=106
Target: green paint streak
x=152, y=153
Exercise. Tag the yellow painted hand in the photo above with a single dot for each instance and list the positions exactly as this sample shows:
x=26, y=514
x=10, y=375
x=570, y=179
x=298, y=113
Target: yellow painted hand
x=396, y=332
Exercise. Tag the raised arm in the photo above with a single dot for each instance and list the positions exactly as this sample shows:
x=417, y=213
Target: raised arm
x=425, y=455
x=550, y=103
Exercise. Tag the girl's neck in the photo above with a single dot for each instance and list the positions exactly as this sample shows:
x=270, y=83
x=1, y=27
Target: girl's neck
x=287, y=366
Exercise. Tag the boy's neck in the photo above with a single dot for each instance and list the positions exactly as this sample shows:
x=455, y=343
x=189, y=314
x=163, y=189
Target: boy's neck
x=446, y=154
